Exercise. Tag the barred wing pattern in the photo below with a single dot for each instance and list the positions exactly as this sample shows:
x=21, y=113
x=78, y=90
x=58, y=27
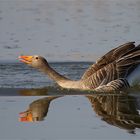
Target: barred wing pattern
x=114, y=85
x=118, y=63
x=109, y=58
x=119, y=110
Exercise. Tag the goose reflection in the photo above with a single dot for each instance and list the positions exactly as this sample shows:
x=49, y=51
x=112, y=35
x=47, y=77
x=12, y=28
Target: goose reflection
x=37, y=110
x=34, y=92
x=119, y=110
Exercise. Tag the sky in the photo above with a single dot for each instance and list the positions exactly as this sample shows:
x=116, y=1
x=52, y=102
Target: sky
x=66, y=30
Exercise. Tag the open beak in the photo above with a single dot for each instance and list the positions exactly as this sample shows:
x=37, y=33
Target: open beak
x=25, y=59
x=25, y=116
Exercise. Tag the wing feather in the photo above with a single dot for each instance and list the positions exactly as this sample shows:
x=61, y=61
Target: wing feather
x=108, y=58
x=123, y=60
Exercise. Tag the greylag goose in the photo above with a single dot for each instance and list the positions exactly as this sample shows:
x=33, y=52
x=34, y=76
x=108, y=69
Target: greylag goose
x=117, y=69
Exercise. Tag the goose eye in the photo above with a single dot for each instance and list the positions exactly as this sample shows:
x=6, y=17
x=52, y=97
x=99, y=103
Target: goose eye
x=36, y=58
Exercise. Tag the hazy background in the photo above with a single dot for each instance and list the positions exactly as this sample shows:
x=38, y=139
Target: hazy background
x=66, y=30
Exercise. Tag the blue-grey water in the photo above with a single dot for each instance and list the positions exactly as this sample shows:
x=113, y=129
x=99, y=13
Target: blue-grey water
x=19, y=75
x=62, y=114
x=63, y=30
x=66, y=33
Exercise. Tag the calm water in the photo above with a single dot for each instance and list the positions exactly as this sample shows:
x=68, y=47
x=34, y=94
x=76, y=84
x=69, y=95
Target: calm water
x=80, y=30
x=34, y=107
x=64, y=30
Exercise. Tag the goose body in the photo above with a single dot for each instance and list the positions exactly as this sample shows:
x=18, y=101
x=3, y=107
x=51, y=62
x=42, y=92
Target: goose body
x=117, y=69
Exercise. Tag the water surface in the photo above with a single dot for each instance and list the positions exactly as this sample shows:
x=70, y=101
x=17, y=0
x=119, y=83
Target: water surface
x=95, y=116
x=34, y=107
x=66, y=30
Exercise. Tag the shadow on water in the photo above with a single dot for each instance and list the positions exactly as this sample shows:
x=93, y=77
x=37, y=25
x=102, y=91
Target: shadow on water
x=120, y=110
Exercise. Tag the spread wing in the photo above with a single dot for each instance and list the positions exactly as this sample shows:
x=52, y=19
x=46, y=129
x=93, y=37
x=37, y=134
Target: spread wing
x=117, y=63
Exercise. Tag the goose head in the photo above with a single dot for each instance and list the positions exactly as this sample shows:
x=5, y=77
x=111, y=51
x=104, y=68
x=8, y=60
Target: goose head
x=34, y=61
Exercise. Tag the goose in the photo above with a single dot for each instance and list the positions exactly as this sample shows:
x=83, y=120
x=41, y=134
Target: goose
x=116, y=70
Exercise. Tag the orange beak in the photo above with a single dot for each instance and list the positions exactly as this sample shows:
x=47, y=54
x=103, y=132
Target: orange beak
x=26, y=116
x=25, y=59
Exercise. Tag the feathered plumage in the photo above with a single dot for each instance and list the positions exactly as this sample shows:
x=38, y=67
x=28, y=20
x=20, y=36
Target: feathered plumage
x=111, y=72
x=115, y=65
